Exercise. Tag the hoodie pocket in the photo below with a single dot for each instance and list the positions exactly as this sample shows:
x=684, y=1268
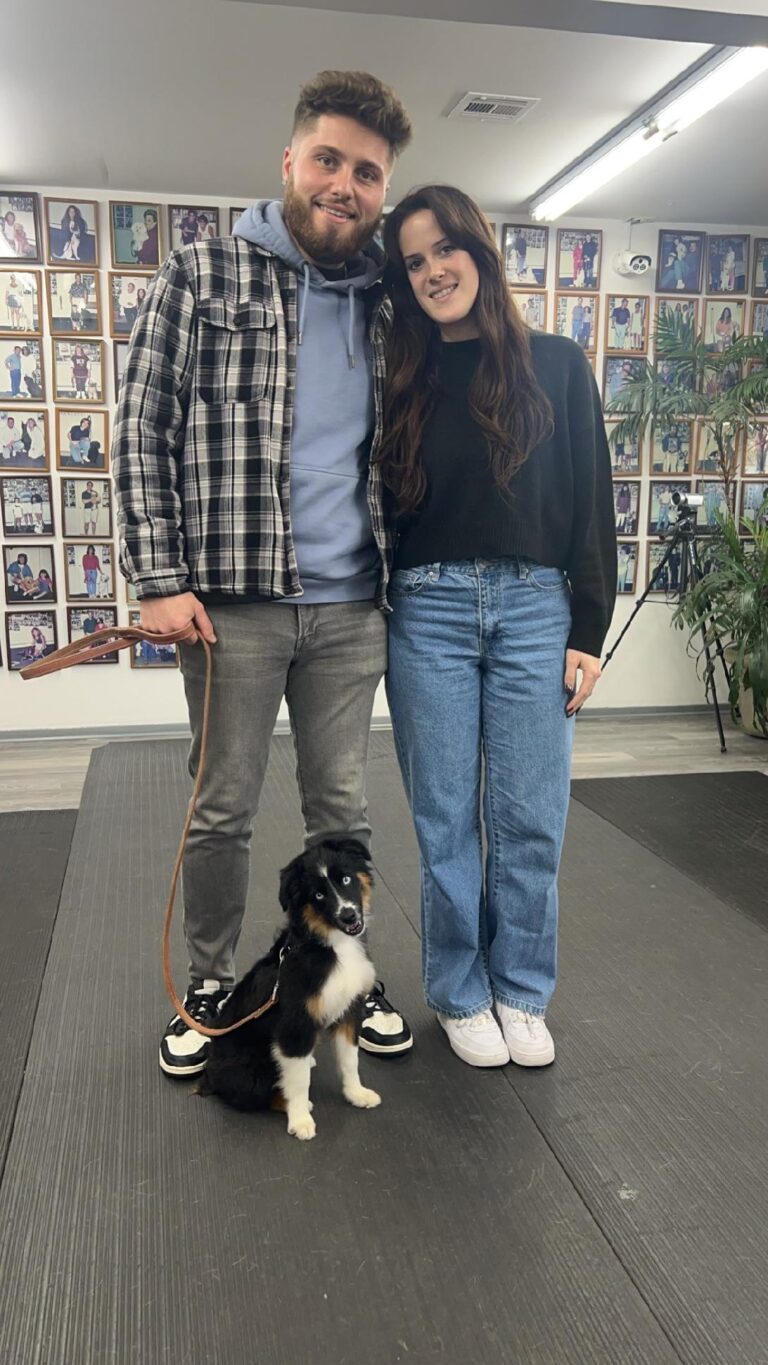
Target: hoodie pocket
x=237, y=345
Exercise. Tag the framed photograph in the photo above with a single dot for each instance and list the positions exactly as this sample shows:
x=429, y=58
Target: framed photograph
x=30, y=636
x=20, y=310
x=672, y=447
x=29, y=573
x=73, y=302
x=759, y=267
x=134, y=234
x=727, y=263
x=22, y=379
x=82, y=621
x=234, y=214
x=579, y=257
x=755, y=457
x=27, y=508
x=90, y=571
x=86, y=508
x=754, y=367
x=626, y=324
x=119, y=353
x=707, y=458
x=618, y=372
x=82, y=440
x=144, y=654
x=126, y=295
x=687, y=309
x=24, y=441
x=723, y=323
x=718, y=383
x=78, y=372
x=758, y=322
x=20, y=227
x=71, y=232
x=576, y=317
x=626, y=572
x=524, y=249
x=661, y=509
x=532, y=309
x=715, y=503
x=668, y=580
x=752, y=498
x=626, y=455
x=188, y=225
x=681, y=261
x=626, y=504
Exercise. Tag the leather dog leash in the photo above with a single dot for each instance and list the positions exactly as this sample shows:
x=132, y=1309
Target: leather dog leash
x=107, y=640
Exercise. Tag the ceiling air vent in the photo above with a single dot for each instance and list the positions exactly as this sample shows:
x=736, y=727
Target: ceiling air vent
x=492, y=108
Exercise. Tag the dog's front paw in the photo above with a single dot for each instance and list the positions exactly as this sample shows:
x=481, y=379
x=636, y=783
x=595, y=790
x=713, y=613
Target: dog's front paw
x=302, y=1127
x=361, y=1097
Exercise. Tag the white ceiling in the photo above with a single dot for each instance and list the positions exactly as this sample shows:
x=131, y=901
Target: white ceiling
x=194, y=97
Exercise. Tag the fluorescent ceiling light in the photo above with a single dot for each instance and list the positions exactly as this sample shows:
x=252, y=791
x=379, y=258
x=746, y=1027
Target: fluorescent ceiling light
x=706, y=86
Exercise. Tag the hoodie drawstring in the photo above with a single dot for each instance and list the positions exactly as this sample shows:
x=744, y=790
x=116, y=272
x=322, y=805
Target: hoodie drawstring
x=304, y=286
x=304, y=301
x=351, y=332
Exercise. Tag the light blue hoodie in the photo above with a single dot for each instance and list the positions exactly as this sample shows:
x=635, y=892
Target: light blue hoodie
x=332, y=421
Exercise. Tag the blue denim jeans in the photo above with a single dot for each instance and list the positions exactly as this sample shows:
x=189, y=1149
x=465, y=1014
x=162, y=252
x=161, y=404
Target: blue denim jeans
x=477, y=697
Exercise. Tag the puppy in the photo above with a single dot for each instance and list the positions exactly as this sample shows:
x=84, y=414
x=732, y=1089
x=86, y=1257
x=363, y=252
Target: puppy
x=323, y=974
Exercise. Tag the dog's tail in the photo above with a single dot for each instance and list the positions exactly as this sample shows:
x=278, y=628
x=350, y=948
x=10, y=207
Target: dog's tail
x=203, y=1086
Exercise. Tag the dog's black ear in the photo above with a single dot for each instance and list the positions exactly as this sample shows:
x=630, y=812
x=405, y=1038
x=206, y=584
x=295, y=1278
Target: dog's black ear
x=351, y=849
x=291, y=883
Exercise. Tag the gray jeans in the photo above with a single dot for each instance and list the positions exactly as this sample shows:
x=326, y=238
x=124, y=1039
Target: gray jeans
x=327, y=662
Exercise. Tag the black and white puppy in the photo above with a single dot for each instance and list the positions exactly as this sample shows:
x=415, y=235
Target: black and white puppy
x=323, y=972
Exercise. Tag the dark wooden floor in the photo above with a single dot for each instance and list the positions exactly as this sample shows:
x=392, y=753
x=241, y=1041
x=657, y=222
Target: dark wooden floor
x=612, y=1209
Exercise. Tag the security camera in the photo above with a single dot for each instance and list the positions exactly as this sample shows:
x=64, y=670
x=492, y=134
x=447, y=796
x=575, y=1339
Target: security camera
x=631, y=263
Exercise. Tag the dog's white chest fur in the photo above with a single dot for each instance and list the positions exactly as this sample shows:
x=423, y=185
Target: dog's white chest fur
x=353, y=975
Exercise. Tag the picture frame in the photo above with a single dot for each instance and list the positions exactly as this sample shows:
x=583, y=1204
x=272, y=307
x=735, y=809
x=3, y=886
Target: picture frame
x=189, y=223
x=20, y=237
x=86, y=508
x=617, y=371
x=119, y=356
x=706, y=451
x=72, y=232
x=723, y=323
x=86, y=451
x=524, y=250
x=234, y=214
x=577, y=316
x=626, y=324
x=680, y=263
x=78, y=370
x=22, y=371
x=83, y=621
x=579, y=259
x=727, y=262
x=30, y=636
x=27, y=506
x=754, y=455
x=672, y=447
x=752, y=495
x=751, y=367
x=532, y=308
x=661, y=508
x=684, y=306
x=74, y=307
x=126, y=295
x=29, y=573
x=758, y=319
x=715, y=501
x=21, y=313
x=134, y=234
x=626, y=455
x=24, y=443
x=145, y=654
x=626, y=569
x=89, y=571
x=669, y=581
x=626, y=506
x=760, y=267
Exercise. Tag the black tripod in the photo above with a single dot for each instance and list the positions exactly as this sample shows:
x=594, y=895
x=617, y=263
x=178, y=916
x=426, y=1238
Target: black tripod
x=682, y=554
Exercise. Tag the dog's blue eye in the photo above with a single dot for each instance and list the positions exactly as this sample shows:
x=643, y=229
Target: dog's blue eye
x=345, y=881
x=319, y=896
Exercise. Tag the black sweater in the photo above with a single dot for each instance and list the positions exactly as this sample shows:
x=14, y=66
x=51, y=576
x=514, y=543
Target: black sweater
x=558, y=510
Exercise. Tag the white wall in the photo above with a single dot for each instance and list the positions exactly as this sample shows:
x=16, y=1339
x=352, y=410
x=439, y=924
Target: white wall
x=650, y=670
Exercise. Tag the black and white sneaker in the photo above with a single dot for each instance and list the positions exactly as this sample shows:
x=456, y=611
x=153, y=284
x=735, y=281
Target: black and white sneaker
x=383, y=1030
x=184, y=1051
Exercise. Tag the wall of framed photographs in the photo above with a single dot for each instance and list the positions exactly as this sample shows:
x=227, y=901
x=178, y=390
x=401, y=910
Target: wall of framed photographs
x=73, y=271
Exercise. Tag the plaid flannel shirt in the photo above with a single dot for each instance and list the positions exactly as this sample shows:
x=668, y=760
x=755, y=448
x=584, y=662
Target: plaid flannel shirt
x=202, y=440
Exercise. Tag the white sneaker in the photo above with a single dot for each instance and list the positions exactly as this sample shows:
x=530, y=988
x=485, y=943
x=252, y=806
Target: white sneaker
x=477, y=1040
x=529, y=1040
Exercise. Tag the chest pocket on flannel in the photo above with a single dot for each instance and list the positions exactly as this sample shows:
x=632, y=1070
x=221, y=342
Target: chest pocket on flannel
x=236, y=350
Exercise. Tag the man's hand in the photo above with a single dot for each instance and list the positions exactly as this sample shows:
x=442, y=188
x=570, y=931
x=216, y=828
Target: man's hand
x=163, y=614
x=590, y=672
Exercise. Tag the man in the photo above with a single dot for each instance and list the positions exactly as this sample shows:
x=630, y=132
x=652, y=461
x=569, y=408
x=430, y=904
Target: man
x=257, y=378
x=620, y=320
x=577, y=319
x=13, y=366
x=78, y=299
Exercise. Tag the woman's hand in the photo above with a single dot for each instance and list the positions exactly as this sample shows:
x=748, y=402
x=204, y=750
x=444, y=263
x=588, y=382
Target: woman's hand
x=590, y=669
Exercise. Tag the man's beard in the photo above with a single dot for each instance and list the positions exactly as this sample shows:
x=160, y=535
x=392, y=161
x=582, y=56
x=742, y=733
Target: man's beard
x=324, y=247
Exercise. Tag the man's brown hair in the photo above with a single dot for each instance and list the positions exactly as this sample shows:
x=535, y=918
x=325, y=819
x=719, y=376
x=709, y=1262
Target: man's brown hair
x=357, y=95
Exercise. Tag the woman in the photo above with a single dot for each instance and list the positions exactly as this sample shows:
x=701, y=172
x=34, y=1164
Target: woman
x=73, y=229
x=91, y=570
x=81, y=370
x=726, y=331
x=503, y=586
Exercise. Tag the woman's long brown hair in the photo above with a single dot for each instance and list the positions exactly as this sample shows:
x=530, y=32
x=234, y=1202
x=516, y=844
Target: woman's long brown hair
x=505, y=399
